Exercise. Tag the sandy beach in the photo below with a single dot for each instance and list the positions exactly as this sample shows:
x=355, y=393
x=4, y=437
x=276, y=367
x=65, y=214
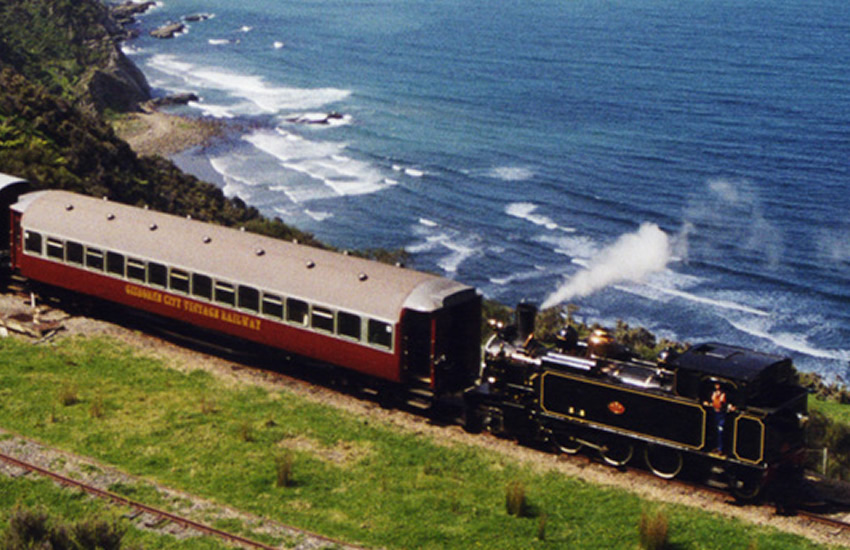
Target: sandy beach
x=154, y=132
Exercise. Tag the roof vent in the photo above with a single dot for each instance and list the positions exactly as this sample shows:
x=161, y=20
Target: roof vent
x=152, y=227
x=259, y=251
x=311, y=264
x=69, y=207
x=362, y=277
x=207, y=239
x=110, y=216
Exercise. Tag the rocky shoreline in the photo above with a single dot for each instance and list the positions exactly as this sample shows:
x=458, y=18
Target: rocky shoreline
x=146, y=128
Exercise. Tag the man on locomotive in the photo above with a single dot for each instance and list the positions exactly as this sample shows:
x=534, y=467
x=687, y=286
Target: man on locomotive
x=719, y=407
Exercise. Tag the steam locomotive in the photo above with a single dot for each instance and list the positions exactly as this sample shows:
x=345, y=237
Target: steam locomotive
x=735, y=415
x=418, y=334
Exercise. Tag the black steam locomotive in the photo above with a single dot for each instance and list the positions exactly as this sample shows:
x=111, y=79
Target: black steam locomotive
x=732, y=415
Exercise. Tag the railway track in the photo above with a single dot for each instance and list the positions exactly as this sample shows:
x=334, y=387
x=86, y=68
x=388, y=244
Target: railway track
x=163, y=517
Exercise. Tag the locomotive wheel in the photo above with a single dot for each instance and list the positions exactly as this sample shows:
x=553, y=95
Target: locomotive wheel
x=664, y=462
x=567, y=444
x=745, y=487
x=617, y=453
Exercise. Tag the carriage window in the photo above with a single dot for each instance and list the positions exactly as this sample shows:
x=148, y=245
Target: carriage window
x=32, y=242
x=55, y=249
x=322, y=319
x=179, y=281
x=249, y=298
x=296, y=311
x=94, y=259
x=74, y=252
x=157, y=274
x=272, y=306
x=202, y=286
x=136, y=269
x=115, y=263
x=224, y=293
x=380, y=334
x=348, y=325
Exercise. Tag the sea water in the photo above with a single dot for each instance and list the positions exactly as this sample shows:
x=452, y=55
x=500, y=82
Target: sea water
x=678, y=165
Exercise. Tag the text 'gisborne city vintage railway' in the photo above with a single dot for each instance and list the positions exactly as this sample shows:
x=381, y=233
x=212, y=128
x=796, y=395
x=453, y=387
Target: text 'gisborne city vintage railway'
x=734, y=415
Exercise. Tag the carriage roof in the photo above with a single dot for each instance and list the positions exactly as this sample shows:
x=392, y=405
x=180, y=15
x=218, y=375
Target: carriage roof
x=292, y=270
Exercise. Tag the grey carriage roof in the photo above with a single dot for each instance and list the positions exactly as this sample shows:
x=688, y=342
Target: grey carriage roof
x=289, y=269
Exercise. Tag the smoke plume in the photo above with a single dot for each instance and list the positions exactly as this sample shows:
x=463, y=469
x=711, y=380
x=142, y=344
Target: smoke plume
x=631, y=258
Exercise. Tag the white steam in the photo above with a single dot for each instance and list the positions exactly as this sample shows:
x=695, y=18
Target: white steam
x=631, y=258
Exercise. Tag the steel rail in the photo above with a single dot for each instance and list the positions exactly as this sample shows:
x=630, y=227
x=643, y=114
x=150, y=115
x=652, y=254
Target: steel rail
x=163, y=514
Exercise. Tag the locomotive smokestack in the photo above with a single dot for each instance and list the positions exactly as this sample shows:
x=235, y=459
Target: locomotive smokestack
x=525, y=314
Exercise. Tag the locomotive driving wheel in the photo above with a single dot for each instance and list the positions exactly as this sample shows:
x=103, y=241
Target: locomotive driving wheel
x=745, y=487
x=617, y=452
x=567, y=444
x=664, y=462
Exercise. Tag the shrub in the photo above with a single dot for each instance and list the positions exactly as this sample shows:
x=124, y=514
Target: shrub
x=246, y=432
x=515, y=499
x=653, y=531
x=68, y=395
x=97, y=409
x=284, y=464
x=36, y=529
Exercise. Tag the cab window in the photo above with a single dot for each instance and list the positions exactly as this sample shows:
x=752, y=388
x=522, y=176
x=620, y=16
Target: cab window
x=296, y=311
x=348, y=325
x=74, y=252
x=32, y=242
x=225, y=293
x=157, y=274
x=94, y=259
x=55, y=249
x=322, y=319
x=380, y=334
x=202, y=286
x=272, y=306
x=249, y=298
x=115, y=263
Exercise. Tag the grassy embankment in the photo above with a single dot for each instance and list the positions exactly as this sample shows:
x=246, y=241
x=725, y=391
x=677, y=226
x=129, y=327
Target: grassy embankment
x=351, y=478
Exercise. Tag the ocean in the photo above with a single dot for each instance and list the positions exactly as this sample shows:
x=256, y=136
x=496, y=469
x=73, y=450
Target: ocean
x=681, y=166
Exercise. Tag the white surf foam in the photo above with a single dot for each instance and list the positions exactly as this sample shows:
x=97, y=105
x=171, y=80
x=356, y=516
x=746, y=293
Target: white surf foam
x=511, y=173
x=713, y=302
x=794, y=342
x=252, y=94
x=333, y=172
x=527, y=211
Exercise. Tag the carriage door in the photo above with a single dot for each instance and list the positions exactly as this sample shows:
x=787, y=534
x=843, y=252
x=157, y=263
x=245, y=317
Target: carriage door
x=417, y=337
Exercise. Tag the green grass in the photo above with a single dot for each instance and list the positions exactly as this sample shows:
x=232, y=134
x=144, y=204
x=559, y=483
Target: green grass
x=838, y=412
x=349, y=478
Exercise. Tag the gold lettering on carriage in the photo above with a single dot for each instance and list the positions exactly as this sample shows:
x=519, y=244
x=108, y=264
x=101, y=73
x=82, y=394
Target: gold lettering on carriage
x=211, y=312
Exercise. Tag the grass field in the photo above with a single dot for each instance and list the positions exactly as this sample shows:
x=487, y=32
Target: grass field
x=275, y=454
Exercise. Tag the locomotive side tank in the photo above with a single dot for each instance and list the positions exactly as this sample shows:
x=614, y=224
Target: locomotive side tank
x=735, y=413
x=394, y=324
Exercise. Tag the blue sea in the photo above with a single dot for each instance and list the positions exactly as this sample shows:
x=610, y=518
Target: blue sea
x=683, y=166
